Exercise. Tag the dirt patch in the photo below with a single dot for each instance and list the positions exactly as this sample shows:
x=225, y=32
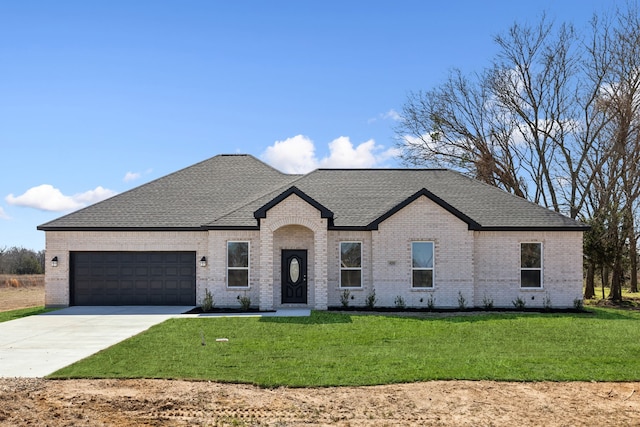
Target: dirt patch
x=21, y=291
x=444, y=403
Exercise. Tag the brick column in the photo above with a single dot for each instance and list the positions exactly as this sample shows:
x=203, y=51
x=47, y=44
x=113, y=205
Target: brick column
x=266, y=268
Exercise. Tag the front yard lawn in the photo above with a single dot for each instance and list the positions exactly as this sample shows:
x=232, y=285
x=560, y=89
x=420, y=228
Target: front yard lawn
x=333, y=349
x=5, y=316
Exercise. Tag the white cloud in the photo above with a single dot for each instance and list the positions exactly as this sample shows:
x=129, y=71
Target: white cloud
x=48, y=198
x=293, y=155
x=297, y=155
x=392, y=114
x=131, y=176
x=3, y=214
x=389, y=115
x=94, y=196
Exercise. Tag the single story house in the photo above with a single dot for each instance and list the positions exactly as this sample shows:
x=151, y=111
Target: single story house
x=239, y=228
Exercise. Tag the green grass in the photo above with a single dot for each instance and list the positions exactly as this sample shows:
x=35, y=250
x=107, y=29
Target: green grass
x=331, y=349
x=5, y=316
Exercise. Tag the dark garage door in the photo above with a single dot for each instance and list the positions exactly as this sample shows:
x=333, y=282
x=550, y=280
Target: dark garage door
x=133, y=278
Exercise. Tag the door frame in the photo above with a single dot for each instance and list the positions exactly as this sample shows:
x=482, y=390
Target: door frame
x=302, y=255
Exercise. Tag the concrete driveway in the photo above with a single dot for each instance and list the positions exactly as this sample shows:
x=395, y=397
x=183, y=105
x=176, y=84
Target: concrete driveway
x=36, y=346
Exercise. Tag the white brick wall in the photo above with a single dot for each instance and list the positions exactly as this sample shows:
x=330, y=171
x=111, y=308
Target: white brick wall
x=423, y=220
x=333, y=266
x=497, y=256
x=216, y=281
x=478, y=264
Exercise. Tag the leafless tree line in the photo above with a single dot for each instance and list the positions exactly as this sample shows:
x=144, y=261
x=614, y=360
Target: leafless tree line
x=555, y=119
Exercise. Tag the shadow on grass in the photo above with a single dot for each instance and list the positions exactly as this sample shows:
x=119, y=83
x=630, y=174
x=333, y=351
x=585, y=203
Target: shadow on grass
x=316, y=318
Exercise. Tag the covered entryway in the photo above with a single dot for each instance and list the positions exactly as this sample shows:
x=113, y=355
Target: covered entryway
x=294, y=276
x=133, y=278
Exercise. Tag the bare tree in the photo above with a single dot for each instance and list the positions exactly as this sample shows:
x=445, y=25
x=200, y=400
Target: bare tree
x=555, y=119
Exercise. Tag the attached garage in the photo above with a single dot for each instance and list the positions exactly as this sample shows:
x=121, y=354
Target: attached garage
x=133, y=278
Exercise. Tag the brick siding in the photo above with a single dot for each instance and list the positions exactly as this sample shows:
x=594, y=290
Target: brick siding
x=480, y=266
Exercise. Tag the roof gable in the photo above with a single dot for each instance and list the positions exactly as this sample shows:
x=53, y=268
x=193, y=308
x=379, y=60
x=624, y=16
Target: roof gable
x=473, y=225
x=262, y=211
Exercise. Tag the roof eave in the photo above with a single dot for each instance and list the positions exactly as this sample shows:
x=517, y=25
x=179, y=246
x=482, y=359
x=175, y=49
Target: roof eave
x=581, y=228
x=114, y=228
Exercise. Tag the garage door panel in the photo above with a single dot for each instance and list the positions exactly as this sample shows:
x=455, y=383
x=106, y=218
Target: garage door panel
x=133, y=278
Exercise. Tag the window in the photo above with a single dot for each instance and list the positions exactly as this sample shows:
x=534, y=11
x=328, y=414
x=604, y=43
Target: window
x=422, y=264
x=531, y=265
x=350, y=264
x=238, y=264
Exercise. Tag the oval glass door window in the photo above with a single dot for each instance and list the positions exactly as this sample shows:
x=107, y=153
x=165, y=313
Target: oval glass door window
x=294, y=270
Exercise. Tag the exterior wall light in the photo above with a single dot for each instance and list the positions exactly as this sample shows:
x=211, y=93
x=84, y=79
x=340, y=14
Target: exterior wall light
x=54, y=261
x=203, y=261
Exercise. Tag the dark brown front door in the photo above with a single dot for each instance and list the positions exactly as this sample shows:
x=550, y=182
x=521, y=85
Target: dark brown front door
x=294, y=276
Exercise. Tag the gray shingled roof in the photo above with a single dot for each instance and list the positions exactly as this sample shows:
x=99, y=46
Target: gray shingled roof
x=226, y=191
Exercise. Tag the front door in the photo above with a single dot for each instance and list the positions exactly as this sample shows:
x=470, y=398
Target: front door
x=294, y=276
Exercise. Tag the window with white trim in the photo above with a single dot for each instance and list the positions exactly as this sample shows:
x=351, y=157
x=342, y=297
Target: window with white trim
x=350, y=264
x=422, y=264
x=531, y=265
x=238, y=264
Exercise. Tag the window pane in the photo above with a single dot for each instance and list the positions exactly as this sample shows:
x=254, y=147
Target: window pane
x=238, y=254
x=350, y=255
x=350, y=278
x=422, y=255
x=238, y=278
x=531, y=255
x=422, y=278
x=530, y=278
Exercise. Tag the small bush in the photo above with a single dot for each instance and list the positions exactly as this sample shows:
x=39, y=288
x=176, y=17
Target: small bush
x=546, y=303
x=519, y=303
x=399, y=302
x=245, y=302
x=371, y=299
x=462, y=302
x=344, y=297
x=487, y=303
x=431, y=302
x=207, y=301
x=578, y=304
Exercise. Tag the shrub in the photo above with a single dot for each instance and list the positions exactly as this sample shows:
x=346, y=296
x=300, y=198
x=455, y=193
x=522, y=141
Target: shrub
x=245, y=302
x=546, y=303
x=487, y=303
x=207, y=301
x=462, y=302
x=519, y=303
x=344, y=297
x=371, y=299
x=431, y=302
x=399, y=302
x=578, y=304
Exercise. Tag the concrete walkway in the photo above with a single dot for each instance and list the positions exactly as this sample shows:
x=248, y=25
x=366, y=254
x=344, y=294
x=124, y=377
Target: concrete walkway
x=37, y=346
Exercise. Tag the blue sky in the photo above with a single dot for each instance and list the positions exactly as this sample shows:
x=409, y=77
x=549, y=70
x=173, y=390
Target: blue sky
x=97, y=97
